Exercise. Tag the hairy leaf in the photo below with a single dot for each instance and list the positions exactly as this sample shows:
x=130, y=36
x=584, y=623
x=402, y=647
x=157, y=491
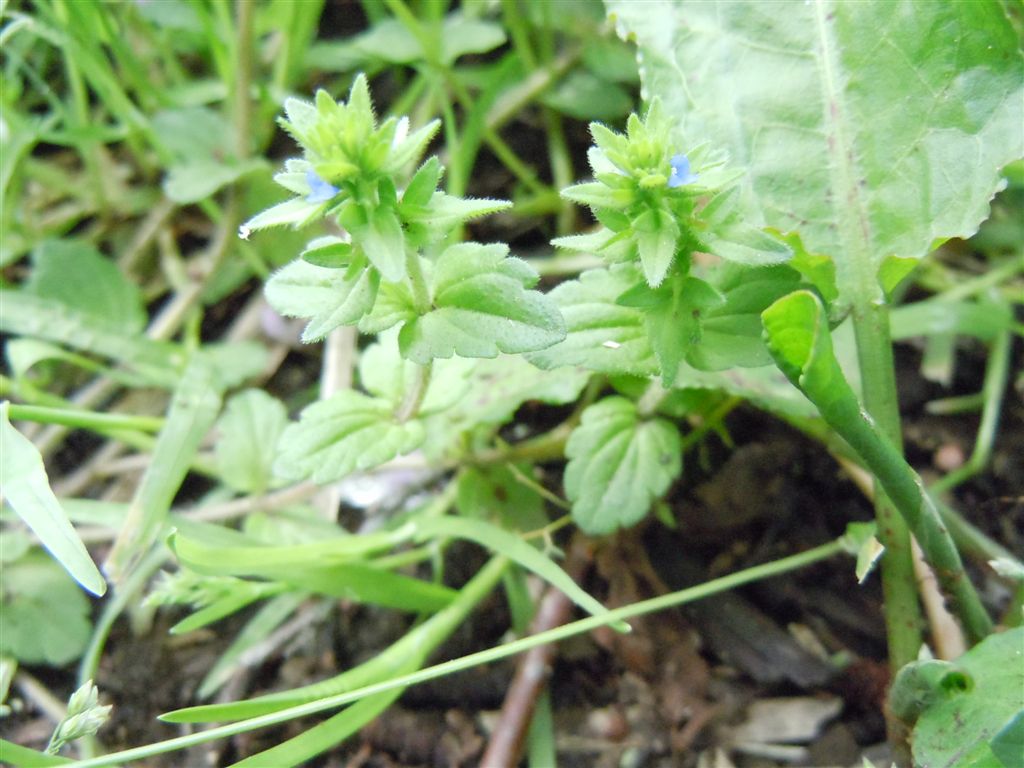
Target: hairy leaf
x=329, y=297
x=673, y=317
x=346, y=432
x=618, y=465
x=600, y=334
x=482, y=307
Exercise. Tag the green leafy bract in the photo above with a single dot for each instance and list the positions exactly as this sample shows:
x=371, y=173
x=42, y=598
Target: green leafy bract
x=44, y=617
x=673, y=317
x=619, y=463
x=481, y=307
x=330, y=297
x=875, y=127
x=344, y=433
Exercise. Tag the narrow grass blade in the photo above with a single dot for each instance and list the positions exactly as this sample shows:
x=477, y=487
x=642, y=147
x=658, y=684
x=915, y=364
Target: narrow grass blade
x=268, y=560
x=322, y=737
x=193, y=409
x=267, y=619
x=22, y=757
x=502, y=542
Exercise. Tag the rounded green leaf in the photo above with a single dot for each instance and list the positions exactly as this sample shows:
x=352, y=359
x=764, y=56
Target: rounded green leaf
x=618, y=465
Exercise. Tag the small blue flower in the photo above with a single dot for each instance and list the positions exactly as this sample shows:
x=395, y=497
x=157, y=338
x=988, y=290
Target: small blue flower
x=320, y=190
x=681, y=172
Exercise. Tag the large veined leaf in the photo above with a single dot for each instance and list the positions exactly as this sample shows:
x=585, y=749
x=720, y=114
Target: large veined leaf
x=482, y=307
x=619, y=463
x=346, y=432
x=873, y=127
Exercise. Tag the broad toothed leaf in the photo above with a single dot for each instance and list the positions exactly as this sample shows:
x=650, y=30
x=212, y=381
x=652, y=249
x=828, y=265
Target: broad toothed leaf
x=600, y=335
x=618, y=465
x=342, y=434
x=874, y=128
x=482, y=306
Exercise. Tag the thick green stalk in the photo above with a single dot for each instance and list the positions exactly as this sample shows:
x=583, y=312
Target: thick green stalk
x=799, y=340
x=904, y=488
x=903, y=619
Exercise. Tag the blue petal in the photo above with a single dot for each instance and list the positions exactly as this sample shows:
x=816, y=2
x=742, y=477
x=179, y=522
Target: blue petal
x=320, y=190
x=680, y=174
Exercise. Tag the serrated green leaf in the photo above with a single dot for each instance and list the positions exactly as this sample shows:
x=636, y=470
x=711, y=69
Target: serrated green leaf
x=78, y=276
x=249, y=429
x=344, y=433
x=618, y=465
x=27, y=489
x=849, y=116
x=329, y=297
x=499, y=386
x=481, y=307
x=601, y=335
x=44, y=617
